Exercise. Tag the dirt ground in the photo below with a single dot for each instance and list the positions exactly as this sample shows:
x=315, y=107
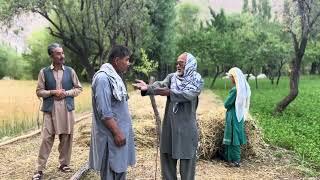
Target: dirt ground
x=17, y=160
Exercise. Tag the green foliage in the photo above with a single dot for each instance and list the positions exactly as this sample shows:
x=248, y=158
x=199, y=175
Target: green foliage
x=89, y=28
x=245, y=6
x=298, y=127
x=38, y=57
x=254, y=6
x=312, y=56
x=187, y=20
x=249, y=41
x=16, y=126
x=218, y=21
x=162, y=18
x=261, y=8
x=146, y=66
x=11, y=63
x=312, y=51
x=264, y=8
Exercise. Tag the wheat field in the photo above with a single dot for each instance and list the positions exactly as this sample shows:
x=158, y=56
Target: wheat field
x=19, y=106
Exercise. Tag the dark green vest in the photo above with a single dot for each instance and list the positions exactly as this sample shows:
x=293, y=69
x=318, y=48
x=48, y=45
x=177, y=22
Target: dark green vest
x=50, y=84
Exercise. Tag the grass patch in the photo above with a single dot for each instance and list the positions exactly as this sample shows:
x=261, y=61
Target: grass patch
x=19, y=106
x=298, y=127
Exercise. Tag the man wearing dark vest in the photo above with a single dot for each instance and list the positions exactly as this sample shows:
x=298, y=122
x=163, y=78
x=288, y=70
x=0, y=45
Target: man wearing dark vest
x=57, y=85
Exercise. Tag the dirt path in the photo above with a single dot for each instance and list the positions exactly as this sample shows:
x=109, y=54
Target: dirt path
x=17, y=160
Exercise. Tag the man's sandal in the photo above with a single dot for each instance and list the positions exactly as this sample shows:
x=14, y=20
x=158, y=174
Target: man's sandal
x=37, y=175
x=65, y=168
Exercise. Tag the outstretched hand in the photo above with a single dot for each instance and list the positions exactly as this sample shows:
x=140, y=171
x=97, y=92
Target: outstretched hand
x=141, y=85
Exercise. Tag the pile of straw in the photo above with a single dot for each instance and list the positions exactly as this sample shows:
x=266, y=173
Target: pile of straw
x=211, y=129
x=85, y=135
x=210, y=119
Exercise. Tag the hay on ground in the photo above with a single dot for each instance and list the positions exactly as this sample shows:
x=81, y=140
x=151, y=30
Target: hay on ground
x=210, y=118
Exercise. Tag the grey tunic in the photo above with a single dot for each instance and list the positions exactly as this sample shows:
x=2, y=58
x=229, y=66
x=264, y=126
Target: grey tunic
x=179, y=136
x=105, y=105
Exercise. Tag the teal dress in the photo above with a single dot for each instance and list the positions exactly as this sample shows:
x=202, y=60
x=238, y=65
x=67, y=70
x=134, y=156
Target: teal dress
x=234, y=132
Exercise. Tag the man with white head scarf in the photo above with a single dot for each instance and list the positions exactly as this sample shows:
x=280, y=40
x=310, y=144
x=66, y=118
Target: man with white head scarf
x=179, y=137
x=237, y=105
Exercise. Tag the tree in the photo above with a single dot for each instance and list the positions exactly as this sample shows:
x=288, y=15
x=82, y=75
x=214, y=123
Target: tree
x=187, y=19
x=162, y=18
x=147, y=66
x=187, y=28
x=221, y=44
x=276, y=52
x=312, y=55
x=245, y=6
x=88, y=28
x=12, y=64
x=254, y=6
x=38, y=57
x=252, y=36
x=218, y=21
x=300, y=17
x=264, y=9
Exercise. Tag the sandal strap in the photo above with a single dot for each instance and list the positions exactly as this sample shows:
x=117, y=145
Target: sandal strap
x=37, y=176
x=65, y=168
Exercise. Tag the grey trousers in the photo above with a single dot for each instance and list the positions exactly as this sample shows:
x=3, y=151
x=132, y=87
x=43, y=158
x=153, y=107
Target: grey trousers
x=64, y=148
x=169, y=167
x=106, y=172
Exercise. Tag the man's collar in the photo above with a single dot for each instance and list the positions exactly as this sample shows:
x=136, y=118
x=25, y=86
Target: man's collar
x=52, y=67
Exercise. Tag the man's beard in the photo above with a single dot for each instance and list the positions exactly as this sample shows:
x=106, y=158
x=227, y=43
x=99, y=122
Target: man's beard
x=180, y=73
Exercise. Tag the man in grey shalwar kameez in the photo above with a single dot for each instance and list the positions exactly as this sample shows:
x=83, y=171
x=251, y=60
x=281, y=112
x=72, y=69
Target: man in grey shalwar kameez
x=112, y=143
x=179, y=136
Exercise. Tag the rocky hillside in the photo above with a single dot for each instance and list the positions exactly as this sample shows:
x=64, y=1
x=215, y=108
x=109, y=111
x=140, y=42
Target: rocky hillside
x=21, y=28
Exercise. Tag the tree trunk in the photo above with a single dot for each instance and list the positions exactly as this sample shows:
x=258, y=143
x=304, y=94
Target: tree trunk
x=294, y=83
x=205, y=72
x=90, y=72
x=299, y=45
x=214, y=79
x=88, y=67
x=314, y=68
x=218, y=72
x=256, y=78
x=272, y=80
x=279, y=71
x=278, y=78
x=162, y=71
x=249, y=72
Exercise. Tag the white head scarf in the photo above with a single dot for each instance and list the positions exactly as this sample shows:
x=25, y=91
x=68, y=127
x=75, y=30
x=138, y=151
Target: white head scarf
x=119, y=90
x=191, y=79
x=243, y=93
x=190, y=82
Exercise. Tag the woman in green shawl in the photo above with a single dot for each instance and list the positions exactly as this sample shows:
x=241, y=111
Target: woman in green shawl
x=237, y=105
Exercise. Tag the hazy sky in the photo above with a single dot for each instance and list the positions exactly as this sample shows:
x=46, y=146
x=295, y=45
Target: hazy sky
x=230, y=6
x=227, y=5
